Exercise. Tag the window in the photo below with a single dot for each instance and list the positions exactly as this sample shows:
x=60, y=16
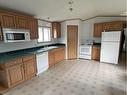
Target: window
x=44, y=34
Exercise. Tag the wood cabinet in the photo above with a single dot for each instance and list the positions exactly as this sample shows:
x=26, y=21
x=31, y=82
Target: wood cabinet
x=98, y=29
x=56, y=29
x=56, y=55
x=15, y=75
x=29, y=66
x=115, y=25
x=7, y=20
x=51, y=58
x=107, y=26
x=14, y=72
x=21, y=22
x=33, y=26
x=96, y=53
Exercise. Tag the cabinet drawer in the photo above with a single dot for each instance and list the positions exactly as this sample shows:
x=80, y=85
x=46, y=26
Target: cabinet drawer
x=14, y=62
x=26, y=58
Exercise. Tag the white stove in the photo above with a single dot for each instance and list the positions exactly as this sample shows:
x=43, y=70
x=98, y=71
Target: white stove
x=86, y=51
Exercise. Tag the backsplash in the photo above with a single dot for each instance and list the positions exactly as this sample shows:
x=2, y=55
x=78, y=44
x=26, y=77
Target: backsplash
x=6, y=47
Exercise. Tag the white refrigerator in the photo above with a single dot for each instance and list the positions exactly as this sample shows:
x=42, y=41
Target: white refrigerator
x=110, y=47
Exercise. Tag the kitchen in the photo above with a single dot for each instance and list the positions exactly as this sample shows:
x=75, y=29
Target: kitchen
x=44, y=56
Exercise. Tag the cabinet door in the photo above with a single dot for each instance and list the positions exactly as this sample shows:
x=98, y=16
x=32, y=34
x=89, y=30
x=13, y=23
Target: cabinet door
x=56, y=30
x=15, y=75
x=21, y=22
x=7, y=20
x=51, y=58
x=59, y=55
x=117, y=25
x=62, y=54
x=107, y=26
x=98, y=29
x=30, y=68
x=96, y=53
x=33, y=26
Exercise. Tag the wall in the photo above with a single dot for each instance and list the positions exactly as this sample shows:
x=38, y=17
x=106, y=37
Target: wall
x=87, y=27
x=63, y=38
x=85, y=33
x=5, y=47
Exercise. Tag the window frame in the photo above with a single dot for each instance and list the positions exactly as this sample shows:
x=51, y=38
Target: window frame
x=50, y=34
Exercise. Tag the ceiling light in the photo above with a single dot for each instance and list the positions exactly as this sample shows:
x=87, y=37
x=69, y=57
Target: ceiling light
x=71, y=5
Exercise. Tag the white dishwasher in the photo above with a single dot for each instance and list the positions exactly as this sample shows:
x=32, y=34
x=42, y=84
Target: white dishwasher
x=42, y=62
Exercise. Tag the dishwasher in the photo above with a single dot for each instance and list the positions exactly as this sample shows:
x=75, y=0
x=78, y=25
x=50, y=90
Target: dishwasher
x=42, y=62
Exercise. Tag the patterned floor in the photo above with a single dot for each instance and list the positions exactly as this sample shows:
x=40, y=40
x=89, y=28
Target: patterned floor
x=76, y=77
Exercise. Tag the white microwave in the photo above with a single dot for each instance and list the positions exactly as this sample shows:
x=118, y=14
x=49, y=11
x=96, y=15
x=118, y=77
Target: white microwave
x=16, y=35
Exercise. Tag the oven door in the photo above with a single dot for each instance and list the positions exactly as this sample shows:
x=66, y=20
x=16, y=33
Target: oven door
x=85, y=50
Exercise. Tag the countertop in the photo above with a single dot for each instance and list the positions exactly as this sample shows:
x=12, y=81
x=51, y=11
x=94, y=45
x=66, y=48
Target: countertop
x=96, y=44
x=8, y=56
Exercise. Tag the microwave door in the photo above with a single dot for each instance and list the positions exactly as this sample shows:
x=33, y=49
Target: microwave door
x=19, y=36
x=9, y=36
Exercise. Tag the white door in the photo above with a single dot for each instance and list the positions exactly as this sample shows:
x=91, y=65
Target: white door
x=110, y=52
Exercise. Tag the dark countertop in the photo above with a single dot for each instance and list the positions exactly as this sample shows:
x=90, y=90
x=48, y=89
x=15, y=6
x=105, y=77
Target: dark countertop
x=8, y=56
x=97, y=44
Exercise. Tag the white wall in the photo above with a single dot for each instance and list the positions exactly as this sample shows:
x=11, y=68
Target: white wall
x=5, y=47
x=87, y=27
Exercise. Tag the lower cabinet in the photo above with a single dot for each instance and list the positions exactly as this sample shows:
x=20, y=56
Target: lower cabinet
x=30, y=68
x=15, y=75
x=56, y=55
x=51, y=57
x=14, y=72
x=96, y=53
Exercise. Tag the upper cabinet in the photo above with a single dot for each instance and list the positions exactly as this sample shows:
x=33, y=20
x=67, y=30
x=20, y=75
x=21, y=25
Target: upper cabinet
x=20, y=21
x=115, y=25
x=56, y=29
x=98, y=29
x=33, y=26
x=107, y=26
x=7, y=20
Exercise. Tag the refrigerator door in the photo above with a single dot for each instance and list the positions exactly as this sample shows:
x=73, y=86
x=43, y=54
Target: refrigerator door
x=110, y=52
x=111, y=36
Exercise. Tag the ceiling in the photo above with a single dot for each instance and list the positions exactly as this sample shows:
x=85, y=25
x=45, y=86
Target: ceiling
x=58, y=10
